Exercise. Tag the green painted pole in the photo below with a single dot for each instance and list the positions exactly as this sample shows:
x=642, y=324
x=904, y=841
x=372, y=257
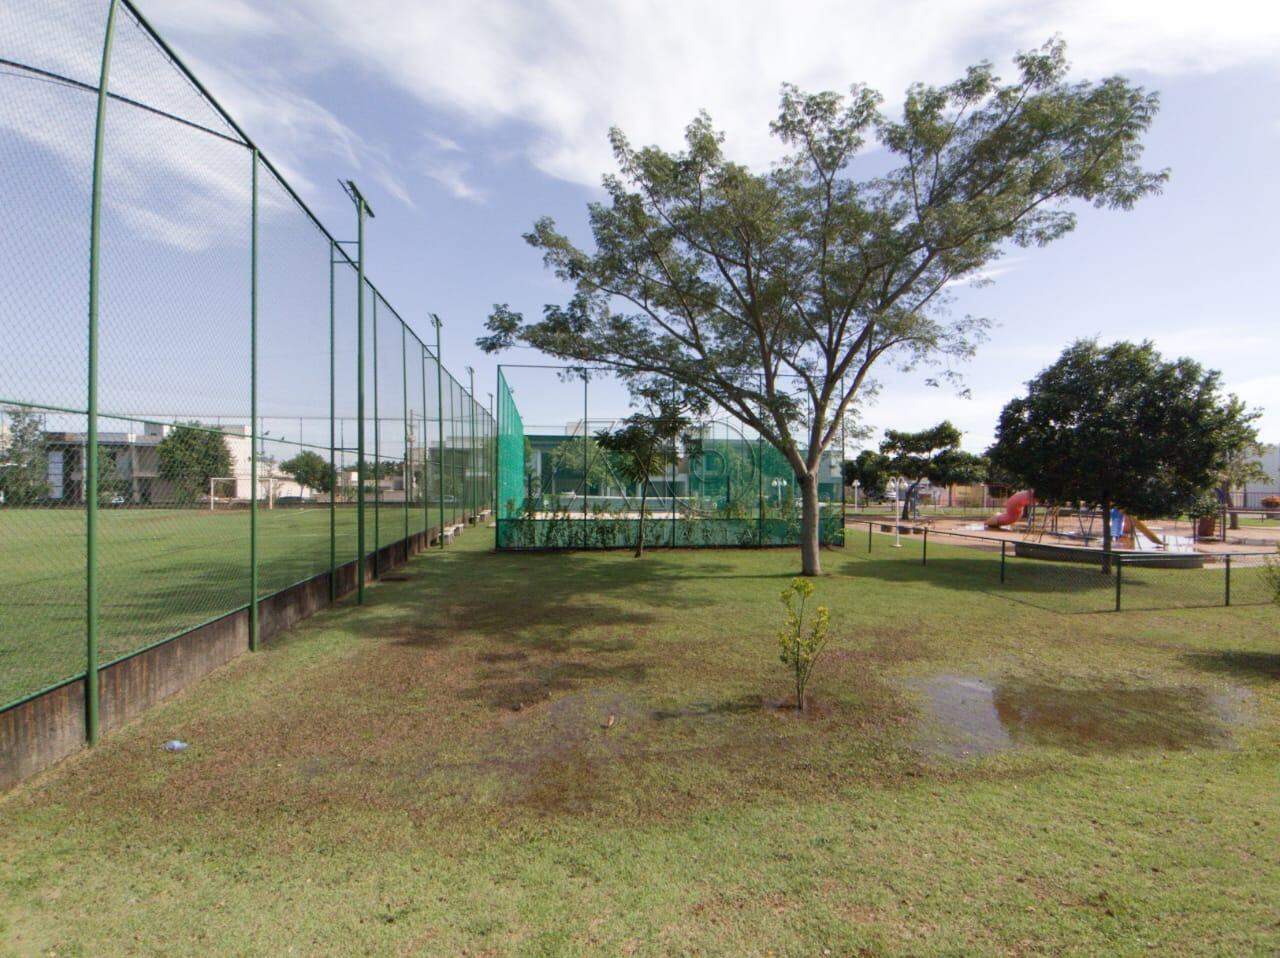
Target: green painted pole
x=426, y=504
x=91, y=715
x=473, y=490
x=377, y=449
x=360, y=451
x=333, y=457
x=435, y=320
x=253, y=412
x=404, y=466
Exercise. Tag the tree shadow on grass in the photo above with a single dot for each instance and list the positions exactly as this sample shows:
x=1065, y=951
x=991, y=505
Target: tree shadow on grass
x=1054, y=587
x=1237, y=663
x=554, y=603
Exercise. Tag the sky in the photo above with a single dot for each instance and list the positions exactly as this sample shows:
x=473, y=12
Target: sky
x=463, y=122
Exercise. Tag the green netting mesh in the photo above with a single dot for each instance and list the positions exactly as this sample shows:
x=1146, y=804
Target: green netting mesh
x=724, y=489
x=511, y=459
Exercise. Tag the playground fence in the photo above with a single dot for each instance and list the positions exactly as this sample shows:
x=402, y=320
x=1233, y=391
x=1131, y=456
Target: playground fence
x=1086, y=583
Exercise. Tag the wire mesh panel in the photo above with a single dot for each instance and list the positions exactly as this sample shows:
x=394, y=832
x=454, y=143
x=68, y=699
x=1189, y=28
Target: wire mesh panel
x=346, y=400
x=433, y=479
x=223, y=388
x=42, y=543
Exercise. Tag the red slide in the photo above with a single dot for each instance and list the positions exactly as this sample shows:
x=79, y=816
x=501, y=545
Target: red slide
x=1014, y=506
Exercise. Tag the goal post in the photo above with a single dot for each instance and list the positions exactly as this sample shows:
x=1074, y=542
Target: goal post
x=222, y=491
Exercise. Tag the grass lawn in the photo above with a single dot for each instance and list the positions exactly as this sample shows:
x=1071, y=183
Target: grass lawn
x=162, y=571
x=557, y=754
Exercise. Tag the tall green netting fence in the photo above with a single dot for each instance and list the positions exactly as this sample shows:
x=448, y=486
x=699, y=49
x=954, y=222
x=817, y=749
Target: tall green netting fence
x=724, y=487
x=182, y=428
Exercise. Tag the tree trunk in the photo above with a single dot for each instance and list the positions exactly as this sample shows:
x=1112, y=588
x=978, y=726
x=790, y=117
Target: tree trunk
x=644, y=489
x=906, y=502
x=810, y=560
x=1106, y=535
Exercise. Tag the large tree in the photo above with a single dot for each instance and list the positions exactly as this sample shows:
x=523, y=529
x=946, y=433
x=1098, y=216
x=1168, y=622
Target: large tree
x=309, y=469
x=774, y=294
x=932, y=454
x=1119, y=426
x=190, y=455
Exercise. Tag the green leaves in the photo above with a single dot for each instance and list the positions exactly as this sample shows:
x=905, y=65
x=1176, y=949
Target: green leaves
x=774, y=294
x=1119, y=422
x=190, y=455
x=308, y=469
x=800, y=642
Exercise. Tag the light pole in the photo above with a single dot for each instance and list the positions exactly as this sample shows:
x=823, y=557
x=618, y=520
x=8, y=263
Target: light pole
x=437, y=323
x=363, y=211
x=472, y=505
x=856, y=484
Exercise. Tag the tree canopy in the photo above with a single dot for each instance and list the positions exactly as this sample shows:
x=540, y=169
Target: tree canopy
x=774, y=294
x=871, y=469
x=24, y=458
x=1119, y=425
x=932, y=454
x=190, y=455
x=308, y=469
x=644, y=445
x=573, y=453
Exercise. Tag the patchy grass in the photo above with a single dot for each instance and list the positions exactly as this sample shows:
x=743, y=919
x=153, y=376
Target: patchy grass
x=579, y=753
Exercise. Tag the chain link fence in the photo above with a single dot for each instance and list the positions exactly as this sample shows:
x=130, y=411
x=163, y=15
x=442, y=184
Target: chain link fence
x=203, y=400
x=1025, y=571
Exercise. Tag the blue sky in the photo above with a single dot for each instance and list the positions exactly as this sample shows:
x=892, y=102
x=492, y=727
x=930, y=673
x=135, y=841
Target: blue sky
x=463, y=122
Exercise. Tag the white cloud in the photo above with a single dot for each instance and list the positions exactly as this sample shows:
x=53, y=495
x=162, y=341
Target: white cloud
x=568, y=69
x=444, y=161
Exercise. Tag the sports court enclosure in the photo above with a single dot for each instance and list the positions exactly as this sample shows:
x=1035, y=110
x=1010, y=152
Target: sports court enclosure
x=724, y=486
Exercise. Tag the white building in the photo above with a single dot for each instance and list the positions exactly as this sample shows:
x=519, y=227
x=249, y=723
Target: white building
x=136, y=463
x=1251, y=496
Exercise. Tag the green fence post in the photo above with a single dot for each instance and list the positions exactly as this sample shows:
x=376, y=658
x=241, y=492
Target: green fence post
x=435, y=320
x=253, y=413
x=1227, y=596
x=1003, y=551
x=404, y=466
x=333, y=457
x=472, y=498
x=377, y=448
x=924, y=553
x=362, y=209
x=868, y=538
x=1119, y=567
x=91, y=715
x=426, y=505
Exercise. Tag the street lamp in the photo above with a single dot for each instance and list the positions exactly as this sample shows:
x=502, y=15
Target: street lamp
x=856, y=484
x=779, y=484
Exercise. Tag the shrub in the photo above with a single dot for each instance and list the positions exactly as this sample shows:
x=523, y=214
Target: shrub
x=1271, y=502
x=1271, y=576
x=798, y=646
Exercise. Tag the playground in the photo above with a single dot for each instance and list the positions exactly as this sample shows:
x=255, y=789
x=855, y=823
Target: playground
x=499, y=753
